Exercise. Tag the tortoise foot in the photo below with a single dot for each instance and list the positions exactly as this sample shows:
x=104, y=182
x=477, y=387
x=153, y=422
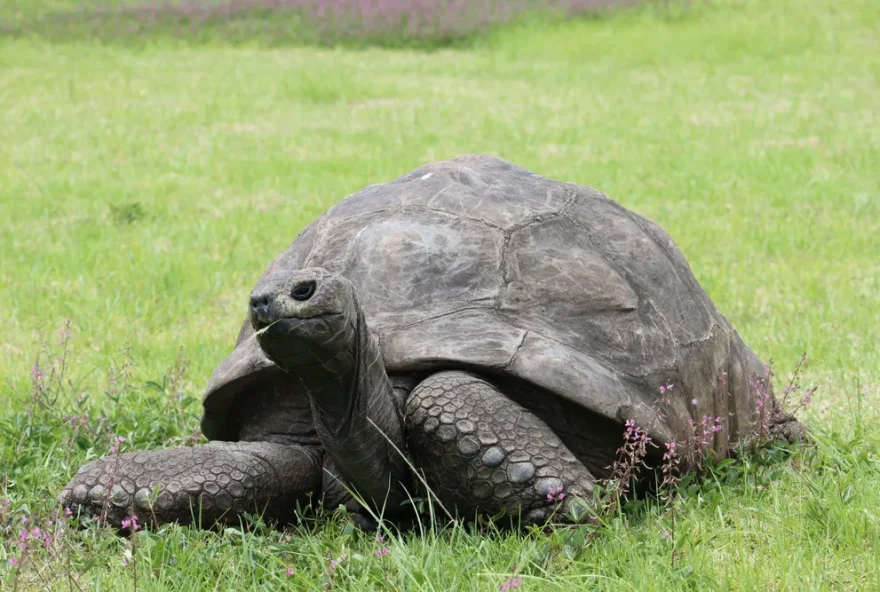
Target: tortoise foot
x=205, y=484
x=787, y=427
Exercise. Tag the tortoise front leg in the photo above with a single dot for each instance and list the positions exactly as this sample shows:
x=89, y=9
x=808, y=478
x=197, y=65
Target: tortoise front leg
x=215, y=482
x=483, y=453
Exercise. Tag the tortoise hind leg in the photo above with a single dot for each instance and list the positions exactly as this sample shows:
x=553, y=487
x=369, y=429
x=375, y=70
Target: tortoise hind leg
x=484, y=453
x=215, y=482
x=785, y=426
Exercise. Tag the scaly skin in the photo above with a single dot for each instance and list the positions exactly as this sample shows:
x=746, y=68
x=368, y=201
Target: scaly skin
x=215, y=482
x=482, y=452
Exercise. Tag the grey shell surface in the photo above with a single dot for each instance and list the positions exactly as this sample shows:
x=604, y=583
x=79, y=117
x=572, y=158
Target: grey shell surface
x=476, y=262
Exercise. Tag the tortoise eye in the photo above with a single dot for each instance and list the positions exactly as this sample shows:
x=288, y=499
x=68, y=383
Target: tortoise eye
x=303, y=291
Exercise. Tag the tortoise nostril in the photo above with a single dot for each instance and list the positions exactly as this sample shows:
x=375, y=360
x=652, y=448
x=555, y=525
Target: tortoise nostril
x=260, y=304
x=303, y=291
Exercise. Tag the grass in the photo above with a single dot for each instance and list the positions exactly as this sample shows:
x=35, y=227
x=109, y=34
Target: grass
x=144, y=188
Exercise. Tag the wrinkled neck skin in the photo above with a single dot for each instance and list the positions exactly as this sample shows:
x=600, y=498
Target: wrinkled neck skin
x=328, y=371
x=342, y=387
x=344, y=375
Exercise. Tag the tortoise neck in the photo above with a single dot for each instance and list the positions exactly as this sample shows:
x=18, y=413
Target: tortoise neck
x=340, y=389
x=358, y=421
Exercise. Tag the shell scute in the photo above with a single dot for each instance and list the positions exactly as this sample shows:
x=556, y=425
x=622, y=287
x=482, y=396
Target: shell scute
x=409, y=267
x=623, y=239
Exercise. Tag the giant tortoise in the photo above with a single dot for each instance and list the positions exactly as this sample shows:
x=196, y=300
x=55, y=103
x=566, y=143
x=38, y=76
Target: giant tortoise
x=471, y=329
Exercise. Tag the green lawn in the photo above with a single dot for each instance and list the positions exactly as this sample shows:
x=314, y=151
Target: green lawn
x=144, y=188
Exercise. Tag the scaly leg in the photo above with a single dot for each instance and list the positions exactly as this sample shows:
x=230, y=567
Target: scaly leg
x=215, y=482
x=483, y=453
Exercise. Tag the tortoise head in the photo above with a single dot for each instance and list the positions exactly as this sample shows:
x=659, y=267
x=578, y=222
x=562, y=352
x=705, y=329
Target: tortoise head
x=306, y=318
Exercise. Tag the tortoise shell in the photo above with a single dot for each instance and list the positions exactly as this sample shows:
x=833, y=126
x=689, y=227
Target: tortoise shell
x=478, y=263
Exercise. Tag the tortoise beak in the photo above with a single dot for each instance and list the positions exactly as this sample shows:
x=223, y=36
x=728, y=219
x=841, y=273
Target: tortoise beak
x=264, y=310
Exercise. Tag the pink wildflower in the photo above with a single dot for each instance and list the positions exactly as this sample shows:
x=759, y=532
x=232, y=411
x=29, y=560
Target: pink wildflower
x=65, y=333
x=510, y=584
x=555, y=494
x=131, y=523
x=37, y=374
x=670, y=451
x=117, y=442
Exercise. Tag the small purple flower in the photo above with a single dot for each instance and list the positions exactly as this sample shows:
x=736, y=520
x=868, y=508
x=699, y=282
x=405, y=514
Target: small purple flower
x=117, y=442
x=380, y=553
x=555, y=494
x=808, y=397
x=510, y=584
x=65, y=333
x=23, y=537
x=13, y=562
x=289, y=572
x=37, y=376
x=131, y=523
x=670, y=462
x=670, y=451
